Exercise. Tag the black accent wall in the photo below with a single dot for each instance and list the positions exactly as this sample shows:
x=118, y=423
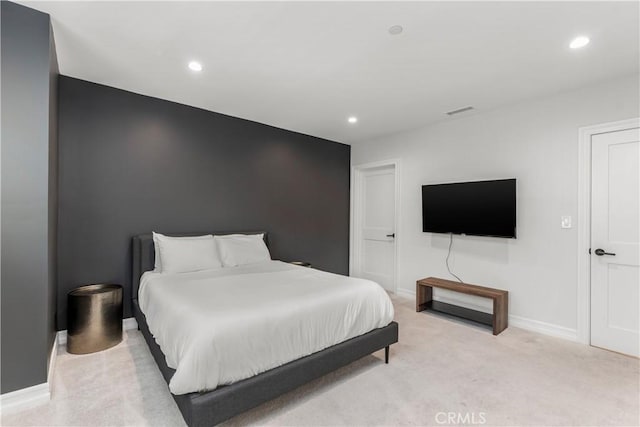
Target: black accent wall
x=130, y=164
x=29, y=195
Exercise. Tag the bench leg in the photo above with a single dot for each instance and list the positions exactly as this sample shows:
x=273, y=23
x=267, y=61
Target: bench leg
x=500, y=314
x=386, y=355
x=424, y=295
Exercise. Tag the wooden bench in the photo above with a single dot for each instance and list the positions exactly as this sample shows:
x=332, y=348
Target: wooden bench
x=498, y=320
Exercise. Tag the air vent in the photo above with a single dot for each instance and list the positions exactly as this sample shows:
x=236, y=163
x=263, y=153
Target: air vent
x=459, y=110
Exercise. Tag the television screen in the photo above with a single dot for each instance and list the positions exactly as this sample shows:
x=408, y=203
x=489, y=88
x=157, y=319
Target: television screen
x=480, y=208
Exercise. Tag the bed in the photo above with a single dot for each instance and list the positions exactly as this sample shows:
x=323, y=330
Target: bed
x=212, y=407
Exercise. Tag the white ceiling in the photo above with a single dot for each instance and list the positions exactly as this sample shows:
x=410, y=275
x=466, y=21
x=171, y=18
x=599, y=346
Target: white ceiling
x=307, y=66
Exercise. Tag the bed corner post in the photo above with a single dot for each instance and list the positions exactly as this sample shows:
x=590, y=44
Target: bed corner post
x=386, y=355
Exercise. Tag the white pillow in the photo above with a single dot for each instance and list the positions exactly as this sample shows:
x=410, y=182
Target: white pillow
x=240, y=249
x=157, y=265
x=185, y=254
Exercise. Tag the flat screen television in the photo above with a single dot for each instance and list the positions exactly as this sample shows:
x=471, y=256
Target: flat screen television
x=479, y=208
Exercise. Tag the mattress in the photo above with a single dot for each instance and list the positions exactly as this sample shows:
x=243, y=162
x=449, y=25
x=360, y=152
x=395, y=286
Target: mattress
x=222, y=326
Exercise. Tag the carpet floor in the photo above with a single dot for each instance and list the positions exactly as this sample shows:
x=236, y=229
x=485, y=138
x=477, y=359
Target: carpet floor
x=442, y=372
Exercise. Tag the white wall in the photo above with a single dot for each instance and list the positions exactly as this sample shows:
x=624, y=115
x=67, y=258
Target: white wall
x=535, y=142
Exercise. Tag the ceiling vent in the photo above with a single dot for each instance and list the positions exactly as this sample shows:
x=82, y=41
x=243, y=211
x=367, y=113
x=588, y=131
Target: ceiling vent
x=459, y=110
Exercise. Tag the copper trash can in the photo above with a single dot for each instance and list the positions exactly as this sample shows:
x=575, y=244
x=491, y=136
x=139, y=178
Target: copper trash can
x=94, y=318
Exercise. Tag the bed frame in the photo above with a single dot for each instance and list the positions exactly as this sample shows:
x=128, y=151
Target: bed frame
x=213, y=407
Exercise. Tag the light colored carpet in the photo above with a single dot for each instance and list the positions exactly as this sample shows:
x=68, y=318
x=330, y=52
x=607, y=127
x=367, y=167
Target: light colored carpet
x=442, y=372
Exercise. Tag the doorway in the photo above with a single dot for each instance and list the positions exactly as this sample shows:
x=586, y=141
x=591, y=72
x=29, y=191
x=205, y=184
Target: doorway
x=611, y=264
x=374, y=216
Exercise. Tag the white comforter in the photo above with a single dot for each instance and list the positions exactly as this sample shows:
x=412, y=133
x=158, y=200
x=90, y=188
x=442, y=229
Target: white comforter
x=219, y=327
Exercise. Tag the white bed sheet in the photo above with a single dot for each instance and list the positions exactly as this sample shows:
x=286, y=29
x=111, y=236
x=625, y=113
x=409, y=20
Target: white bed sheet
x=218, y=327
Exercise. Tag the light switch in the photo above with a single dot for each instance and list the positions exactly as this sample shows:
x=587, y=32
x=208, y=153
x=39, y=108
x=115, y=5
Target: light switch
x=565, y=221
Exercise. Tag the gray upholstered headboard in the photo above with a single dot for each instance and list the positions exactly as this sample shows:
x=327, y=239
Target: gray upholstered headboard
x=144, y=253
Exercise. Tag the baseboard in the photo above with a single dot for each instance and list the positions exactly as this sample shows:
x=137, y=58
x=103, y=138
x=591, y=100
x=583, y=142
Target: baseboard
x=406, y=293
x=127, y=324
x=41, y=393
x=25, y=398
x=532, y=325
x=543, y=328
x=34, y=395
x=52, y=363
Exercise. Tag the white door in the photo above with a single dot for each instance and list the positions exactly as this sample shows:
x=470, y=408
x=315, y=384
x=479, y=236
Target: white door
x=615, y=241
x=377, y=226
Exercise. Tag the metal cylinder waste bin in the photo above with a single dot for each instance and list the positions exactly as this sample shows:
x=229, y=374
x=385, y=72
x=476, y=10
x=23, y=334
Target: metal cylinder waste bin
x=94, y=318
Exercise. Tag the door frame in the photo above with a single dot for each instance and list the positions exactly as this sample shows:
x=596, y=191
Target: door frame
x=357, y=182
x=584, y=219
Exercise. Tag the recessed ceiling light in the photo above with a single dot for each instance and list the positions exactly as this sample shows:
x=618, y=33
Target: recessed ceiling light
x=395, y=30
x=352, y=119
x=195, y=66
x=579, y=42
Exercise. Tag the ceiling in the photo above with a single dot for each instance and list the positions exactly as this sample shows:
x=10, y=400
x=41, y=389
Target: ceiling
x=308, y=66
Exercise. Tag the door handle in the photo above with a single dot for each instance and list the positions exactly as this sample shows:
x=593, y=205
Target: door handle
x=391, y=235
x=601, y=252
